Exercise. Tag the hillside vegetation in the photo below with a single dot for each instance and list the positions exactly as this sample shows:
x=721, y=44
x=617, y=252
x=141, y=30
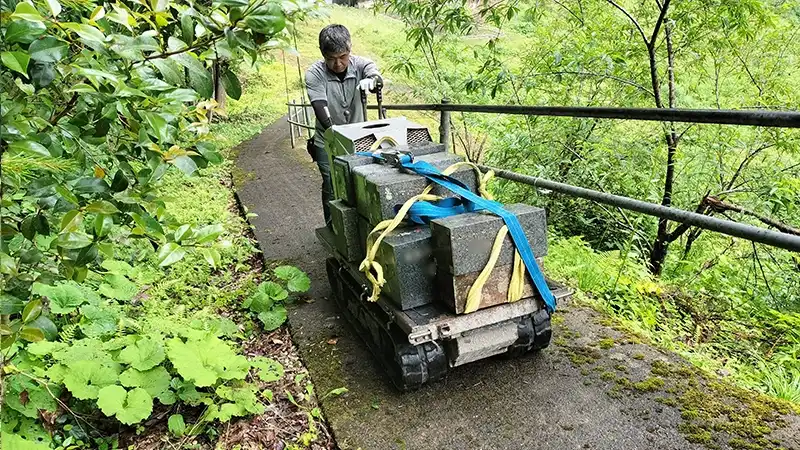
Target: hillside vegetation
x=727, y=305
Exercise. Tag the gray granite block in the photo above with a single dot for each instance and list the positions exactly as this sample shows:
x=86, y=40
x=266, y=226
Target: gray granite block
x=408, y=267
x=344, y=221
x=378, y=190
x=341, y=176
x=463, y=242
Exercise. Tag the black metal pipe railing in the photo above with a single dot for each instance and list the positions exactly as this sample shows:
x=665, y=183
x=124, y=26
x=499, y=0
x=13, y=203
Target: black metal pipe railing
x=752, y=233
x=782, y=119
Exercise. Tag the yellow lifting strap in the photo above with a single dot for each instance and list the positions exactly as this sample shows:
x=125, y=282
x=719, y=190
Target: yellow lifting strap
x=374, y=272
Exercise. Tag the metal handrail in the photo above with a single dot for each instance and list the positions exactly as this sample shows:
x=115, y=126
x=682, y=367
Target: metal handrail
x=756, y=234
x=763, y=118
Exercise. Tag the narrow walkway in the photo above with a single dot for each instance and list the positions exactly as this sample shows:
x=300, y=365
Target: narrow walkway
x=570, y=396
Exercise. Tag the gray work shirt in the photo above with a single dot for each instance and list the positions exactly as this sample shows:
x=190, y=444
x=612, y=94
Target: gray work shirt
x=343, y=96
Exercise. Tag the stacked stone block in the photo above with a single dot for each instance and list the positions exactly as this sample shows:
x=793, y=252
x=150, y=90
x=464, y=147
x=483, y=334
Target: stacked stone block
x=424, y=264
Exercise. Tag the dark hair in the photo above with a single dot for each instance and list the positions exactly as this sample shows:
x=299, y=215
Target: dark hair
x=334, y=39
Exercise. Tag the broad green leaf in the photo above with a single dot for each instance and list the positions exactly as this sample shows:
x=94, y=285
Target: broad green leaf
x=11, y=440
x=74, y=240
x=102, y=207
x=143, y=355
x=120, y=182
x=118, y=287
x=208, y=151
x=29, y=147
x=171, y=71
x=46, y=326
x=128, y=406
x=24, y=31
x=10, y=304
x=182, y=95
x=157, y=125
x=209, y=233
x=27, y=396
x=71, y=221
x=148, y=224
x=86, y=378
x=205, y=361
x=231, y=83
x=16, y=61
x=98, y=321
x=98, y=13
x=240, y=3
x=26, y=11
x=187, y=28
x=155, y=381
x=5, y=330
x=176, y=425
x=32, y=311
x=273, y=318
x=65, y=297
x=296, y=279
x=86, y=32
x=55, y=7
x=48, y=49
x=103, y=225
x=67, y=194
x=31, y=334
x=170, y=253
x=185, y=164
x=212, y=257
x=199, y=76
x=269, y=370
x=183, y=232
x=24, y=87
x=266, y=19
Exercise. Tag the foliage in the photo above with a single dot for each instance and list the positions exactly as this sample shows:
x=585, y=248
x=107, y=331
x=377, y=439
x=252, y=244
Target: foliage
x=268, y=300
x=99, y=102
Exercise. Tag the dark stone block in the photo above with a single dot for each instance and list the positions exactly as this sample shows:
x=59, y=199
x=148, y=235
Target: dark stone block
x=408, y=266
x=463, y=243
x=453, y=289
x=379, y=190
x=344, y=221
x=341, y=176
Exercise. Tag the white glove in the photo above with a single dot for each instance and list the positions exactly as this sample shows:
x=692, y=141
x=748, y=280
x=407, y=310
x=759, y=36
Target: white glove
x=367, y=84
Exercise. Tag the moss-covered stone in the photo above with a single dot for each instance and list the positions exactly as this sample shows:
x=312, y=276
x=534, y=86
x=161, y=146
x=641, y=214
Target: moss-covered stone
x=651, y=384
x=639, y=356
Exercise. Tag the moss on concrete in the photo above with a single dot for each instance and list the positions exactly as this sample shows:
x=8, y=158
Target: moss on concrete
x=651, y=384
x=606, y=343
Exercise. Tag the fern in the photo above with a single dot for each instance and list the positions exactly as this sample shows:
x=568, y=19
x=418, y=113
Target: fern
x=68, y=332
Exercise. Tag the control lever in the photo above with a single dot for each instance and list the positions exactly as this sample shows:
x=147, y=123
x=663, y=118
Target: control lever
x=379, y=95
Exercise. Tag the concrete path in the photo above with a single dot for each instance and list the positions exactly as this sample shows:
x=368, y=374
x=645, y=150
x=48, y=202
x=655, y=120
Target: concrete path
x=579, y=393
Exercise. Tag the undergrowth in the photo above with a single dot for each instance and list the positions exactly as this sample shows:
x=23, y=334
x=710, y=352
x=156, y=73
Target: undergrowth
x=757, y=347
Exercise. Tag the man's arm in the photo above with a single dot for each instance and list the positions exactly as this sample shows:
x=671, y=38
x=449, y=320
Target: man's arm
x=317, y=95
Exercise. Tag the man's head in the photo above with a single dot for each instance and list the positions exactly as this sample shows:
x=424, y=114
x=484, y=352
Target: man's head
x=334, y=43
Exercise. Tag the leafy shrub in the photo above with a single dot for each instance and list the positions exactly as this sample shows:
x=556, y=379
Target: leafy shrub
x=268, y=300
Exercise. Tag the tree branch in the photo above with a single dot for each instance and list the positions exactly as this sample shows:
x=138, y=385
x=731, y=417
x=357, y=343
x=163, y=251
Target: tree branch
x=660, y=20
x=721, y=206
x=632, y=19
x=70, y=104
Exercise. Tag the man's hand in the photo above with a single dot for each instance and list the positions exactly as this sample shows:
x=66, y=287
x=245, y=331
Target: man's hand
x=371, y=84
x=367, y=84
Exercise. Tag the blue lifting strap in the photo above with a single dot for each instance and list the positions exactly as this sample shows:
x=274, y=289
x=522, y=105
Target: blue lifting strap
x=474, y=202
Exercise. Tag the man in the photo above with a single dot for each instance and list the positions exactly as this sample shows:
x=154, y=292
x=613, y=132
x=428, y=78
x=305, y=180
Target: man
x=333, y=88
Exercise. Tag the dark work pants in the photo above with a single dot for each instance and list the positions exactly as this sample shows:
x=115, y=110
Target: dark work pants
x=321, y=158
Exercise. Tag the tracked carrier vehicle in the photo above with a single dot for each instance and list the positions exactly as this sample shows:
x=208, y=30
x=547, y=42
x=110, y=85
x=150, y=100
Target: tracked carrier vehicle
x=422, y=324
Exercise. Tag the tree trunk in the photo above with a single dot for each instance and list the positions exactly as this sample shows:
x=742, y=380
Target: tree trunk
x=663, y=237
x=219, y=89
